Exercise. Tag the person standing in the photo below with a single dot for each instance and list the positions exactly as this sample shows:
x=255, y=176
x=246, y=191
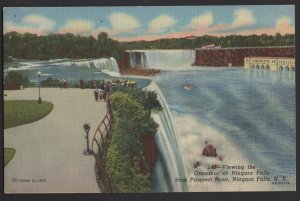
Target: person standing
x=100, y=94
x=96, y=94
x=81, y=84
x=65, y=83
x=107, y=88
x=61, y=83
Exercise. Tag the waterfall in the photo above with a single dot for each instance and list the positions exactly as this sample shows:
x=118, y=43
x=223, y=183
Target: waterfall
x=161, y=59
x=167, y=144
x=102, y=63
x=114, y=65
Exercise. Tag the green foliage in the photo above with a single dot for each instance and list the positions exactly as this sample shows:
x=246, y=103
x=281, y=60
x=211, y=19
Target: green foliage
x=32, y=46
x=148, y=99
x=16, y=78
x=50, y=82
x=8, y=155
x=126, y=176
x=131, y=121
x=223, y=41
x=19, y=112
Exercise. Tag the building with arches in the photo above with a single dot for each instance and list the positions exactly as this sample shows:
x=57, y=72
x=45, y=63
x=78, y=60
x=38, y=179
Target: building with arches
x=270, y=63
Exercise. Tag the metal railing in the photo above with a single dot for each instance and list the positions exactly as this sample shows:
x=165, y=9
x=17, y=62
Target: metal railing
x=100, y=144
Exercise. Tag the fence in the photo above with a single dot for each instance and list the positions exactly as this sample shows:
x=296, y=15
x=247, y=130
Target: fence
x=100, y=143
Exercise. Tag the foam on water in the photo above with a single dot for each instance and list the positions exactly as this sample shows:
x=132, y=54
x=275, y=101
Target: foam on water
x=191, y=137
x=25, y=66
x=248, y=121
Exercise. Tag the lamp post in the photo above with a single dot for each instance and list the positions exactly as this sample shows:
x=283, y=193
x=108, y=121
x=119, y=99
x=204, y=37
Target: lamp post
x=40, y=100
x=87, y=128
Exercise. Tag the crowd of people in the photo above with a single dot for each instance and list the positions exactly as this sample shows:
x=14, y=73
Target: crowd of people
x=103, y=88
x=101, y=93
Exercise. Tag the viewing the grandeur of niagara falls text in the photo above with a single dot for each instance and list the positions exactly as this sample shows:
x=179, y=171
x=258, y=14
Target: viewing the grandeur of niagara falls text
x=235, y=173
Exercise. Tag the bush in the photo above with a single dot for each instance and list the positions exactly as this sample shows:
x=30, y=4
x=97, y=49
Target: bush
x=16, y=78
x=131, y=121
x=125, y=153
x=148, y=99
x=50, y=82
x=126, y=175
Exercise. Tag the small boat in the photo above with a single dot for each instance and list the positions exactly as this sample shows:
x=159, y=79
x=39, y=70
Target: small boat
x=188, y=87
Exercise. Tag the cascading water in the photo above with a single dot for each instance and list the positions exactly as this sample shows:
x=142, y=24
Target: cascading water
x=103, y=63
x=114, y=65
x=161, y=59
x=167, y=144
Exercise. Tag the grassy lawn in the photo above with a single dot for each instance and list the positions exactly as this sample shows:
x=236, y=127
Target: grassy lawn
x=8, y=155
x=19, y=112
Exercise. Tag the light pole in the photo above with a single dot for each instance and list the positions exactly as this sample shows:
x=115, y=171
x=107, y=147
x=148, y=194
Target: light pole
x=87, y=128
x=40, y=100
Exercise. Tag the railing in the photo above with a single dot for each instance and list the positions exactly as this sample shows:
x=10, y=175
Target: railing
x=100, y=144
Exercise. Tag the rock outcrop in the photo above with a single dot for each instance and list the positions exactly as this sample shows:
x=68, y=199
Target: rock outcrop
x=150, y=151
x=209, y=150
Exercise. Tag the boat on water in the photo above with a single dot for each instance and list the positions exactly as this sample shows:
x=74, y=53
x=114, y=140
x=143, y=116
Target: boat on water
x=188, y=87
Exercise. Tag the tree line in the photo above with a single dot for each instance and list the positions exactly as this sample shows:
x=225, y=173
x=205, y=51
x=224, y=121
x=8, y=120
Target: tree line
x=223, y=41
x=55, y=46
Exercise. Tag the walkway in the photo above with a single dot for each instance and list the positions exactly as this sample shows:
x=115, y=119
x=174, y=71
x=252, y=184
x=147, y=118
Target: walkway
x=52, y=148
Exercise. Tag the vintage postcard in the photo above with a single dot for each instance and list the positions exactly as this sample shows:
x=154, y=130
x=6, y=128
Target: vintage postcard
x=149, y=99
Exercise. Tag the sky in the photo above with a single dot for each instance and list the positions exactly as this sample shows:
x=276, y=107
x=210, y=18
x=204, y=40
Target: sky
x=151, y=22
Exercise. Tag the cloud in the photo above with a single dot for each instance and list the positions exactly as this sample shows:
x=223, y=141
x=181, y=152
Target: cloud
x=243, y=17
x=78, y=26
x=160, y=23
x=122, y=23
x=284, y=23
x=200, y=22
x=42, y=23
x=35, y=24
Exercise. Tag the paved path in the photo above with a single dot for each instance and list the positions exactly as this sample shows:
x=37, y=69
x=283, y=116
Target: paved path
x=52, y=148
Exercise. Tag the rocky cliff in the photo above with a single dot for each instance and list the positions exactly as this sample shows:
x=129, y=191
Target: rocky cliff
x=235, y=56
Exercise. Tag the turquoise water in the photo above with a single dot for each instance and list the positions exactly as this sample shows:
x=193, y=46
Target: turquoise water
x=73, y=71
x=255, y=110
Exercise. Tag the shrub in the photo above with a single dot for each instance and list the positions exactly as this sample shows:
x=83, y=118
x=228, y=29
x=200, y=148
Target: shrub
x=50, y=82
x=16, y=78
x=131, y=121
x=148, y=99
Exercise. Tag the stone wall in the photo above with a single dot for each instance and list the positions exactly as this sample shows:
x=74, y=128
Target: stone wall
x=235, y=56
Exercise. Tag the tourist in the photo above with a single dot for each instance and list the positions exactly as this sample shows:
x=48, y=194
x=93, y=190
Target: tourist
x=81, y=84
x=100, y=94
x=94, y=84
x=107, y=88
x=61, y=83
x=65, y=83
x=96, y=94
x=104, y=95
